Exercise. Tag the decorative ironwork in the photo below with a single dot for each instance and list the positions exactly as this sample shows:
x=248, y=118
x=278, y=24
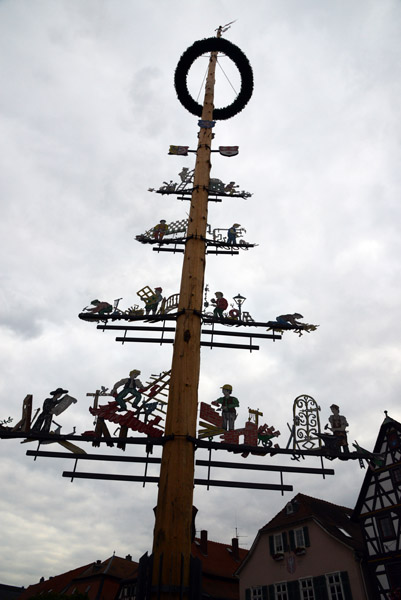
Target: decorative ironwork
x=227, y=404
x=290, y=321
x=212, y=424
x=337, y=424
x=185, y=186
x=306, y=423
x=144, y=400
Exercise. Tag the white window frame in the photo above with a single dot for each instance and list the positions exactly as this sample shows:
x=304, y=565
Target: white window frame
x=299, y=538
x=256, y=592
x=278, y=543
x=335, y=587
x=281, y=591
x=307, y=592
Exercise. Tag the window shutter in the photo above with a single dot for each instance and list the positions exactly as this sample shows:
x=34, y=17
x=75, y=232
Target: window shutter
x=346, y=585
x=292, y=539
x=306, y=537
x=320, y=588
x=285, y=543
x=264, y=592
x=293, y=590
x=271, y=544
x=270, y=591
x=248, y=594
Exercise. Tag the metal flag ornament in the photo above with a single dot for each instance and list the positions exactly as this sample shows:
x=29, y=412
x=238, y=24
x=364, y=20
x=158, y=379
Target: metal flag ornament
x=180, y=150
x=229, y=150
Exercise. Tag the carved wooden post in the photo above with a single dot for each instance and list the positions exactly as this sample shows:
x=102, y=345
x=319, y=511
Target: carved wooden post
x=172, y=534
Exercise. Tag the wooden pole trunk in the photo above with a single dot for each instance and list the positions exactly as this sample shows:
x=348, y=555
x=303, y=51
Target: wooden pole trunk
x=172, y=533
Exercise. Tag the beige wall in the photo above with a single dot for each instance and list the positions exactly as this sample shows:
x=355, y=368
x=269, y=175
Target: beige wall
x=325, y=555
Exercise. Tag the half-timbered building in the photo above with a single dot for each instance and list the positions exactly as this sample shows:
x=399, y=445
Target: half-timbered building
x=378, y=510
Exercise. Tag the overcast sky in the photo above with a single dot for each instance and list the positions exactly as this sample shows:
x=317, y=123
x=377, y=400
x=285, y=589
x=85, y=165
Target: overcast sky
x=87, y=113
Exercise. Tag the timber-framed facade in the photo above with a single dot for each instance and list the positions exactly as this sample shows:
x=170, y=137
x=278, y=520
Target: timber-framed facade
x=378, y=510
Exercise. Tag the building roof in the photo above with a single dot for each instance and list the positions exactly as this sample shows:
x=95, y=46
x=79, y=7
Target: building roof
x=220, y=558
x=9, y=592
x=219, y=564
x=100, y=580
x=53, y=584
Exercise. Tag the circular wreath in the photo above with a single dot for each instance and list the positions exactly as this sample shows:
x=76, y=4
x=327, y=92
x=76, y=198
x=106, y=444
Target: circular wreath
x=237, y=56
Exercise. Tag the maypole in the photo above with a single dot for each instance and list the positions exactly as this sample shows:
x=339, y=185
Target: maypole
x=172, y=533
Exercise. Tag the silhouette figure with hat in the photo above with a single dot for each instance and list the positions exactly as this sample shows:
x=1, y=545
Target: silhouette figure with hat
x=44, y=420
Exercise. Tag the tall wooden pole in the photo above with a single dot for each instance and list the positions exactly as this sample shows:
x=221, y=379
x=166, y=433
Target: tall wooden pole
x=172, y=533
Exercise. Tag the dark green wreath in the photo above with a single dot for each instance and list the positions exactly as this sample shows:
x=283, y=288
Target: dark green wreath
x=237, y=56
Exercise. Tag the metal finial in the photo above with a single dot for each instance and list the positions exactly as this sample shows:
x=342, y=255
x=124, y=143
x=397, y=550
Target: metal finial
x=223, y=28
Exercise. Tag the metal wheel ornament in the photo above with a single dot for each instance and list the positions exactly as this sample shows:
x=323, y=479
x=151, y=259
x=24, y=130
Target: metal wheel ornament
x=237, y=56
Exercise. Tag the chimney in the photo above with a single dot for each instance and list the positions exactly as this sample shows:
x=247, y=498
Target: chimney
x=128, y=557
x=203, y=541
x=234, y=548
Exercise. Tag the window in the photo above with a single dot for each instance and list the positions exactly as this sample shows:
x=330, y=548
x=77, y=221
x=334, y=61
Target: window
x=335, y=587
x=386, y=528
x=306, y=589
x=278, y=543
x=257, y=593
x=393, y=439
x=299, y=538
x=396, y=476
x=289, y=509
x=281, y=591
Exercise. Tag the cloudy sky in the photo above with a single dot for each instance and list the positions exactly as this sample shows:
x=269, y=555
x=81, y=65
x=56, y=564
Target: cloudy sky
x=87, y=113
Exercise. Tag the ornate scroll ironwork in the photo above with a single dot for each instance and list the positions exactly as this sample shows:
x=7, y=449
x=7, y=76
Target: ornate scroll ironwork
x=306, y=423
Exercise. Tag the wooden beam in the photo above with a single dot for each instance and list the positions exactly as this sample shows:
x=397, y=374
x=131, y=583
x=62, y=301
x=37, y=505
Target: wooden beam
x=173, y=526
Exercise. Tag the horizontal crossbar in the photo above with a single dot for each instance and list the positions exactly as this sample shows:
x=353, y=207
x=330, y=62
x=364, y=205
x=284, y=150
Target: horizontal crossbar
x=104, y=457
x=255, y=467
x=149, y=479
x=248, y=334
x=148, y=340
x=217, y=345
x=199, y=463
x=134, y=328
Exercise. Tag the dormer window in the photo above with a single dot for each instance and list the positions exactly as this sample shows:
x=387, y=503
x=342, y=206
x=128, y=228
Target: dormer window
x=289, y=508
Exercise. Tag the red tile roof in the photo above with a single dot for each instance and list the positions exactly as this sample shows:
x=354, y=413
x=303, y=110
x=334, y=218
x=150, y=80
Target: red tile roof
x=218, y=567
x=219, y=559
x=100, y=580
x=54, y=584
